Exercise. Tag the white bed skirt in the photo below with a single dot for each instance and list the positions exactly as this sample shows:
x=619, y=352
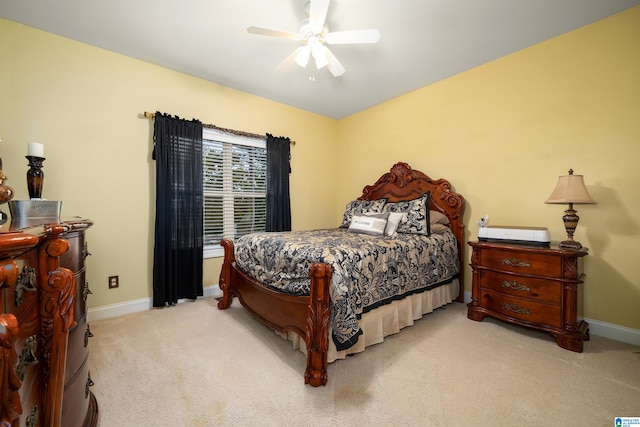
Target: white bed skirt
x=387, y=319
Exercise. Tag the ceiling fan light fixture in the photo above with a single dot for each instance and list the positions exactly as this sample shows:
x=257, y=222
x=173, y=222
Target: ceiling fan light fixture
x=321, y=61
x=302, y=58
x=313, y=33
x=319, y=52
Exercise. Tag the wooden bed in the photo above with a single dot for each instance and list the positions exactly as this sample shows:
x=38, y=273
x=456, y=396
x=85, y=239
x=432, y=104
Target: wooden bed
x=309, y=316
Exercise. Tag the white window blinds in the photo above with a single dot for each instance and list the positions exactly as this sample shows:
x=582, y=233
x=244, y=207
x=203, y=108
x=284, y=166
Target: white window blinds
x=235, y=187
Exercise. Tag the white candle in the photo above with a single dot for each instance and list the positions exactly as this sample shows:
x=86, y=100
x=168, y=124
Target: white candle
x=36, y=149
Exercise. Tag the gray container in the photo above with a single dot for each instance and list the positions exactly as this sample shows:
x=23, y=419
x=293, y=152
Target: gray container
x=25, y=213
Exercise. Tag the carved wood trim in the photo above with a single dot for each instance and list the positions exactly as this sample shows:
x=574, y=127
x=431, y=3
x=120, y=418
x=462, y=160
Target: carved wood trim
x=10, y=383
x=8, y=272
x=57, y=288
x=570, y=268
x=318, y=326
x=225, y=274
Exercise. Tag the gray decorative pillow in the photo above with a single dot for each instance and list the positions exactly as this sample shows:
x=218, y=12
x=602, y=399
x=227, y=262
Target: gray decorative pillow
x=417, y=213
x=358, y=207
x=436, y=217
x=438, y=228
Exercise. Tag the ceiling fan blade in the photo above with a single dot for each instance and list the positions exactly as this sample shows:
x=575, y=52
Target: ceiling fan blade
x=318, y=14
x=353, y=36
x=334, y=65
x=271, y=33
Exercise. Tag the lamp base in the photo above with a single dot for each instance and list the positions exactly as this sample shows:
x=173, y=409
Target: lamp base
x=570, y=220
x=570, y=244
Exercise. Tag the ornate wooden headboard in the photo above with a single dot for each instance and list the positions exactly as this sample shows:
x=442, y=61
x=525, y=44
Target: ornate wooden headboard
x=403, y=183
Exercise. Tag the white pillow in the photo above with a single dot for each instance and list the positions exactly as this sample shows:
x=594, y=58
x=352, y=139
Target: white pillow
x=369, y=224
x=395, y=218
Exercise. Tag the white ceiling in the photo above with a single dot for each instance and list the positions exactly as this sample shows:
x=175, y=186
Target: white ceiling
x=422, y=41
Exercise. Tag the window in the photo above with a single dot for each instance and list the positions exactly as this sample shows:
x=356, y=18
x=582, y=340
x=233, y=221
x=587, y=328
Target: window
x=235, y=187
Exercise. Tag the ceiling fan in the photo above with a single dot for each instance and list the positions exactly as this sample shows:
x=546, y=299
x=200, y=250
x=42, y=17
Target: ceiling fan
x=313, y=34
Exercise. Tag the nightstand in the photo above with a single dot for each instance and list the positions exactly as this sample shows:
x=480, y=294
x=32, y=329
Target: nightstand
x=531, y=286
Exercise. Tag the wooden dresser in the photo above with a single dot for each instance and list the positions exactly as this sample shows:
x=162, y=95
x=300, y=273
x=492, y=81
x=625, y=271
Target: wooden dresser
x=530, y=286
x=79, y=407
x=43, y=326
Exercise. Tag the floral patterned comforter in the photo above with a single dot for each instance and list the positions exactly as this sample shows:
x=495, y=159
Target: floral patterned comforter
x=367, y=271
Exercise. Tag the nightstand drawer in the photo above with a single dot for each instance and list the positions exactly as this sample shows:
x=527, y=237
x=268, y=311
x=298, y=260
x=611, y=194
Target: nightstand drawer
x=544, y=290
x=522, y=309
x=521, y=262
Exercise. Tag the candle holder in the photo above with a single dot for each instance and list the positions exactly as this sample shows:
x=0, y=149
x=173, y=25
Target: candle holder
x=35, y=177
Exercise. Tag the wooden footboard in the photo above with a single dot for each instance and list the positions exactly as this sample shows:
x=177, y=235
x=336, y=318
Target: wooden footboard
x=306, y=316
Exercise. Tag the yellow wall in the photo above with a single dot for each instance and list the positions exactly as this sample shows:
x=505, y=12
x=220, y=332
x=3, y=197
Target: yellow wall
x=501, y=133
x=85, y=104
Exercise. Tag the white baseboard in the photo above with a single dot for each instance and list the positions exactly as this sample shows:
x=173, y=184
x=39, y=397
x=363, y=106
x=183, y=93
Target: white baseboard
x=143, y=304
x=614, y=332
x=601, y=329
x=467, y=297
x=596, y=327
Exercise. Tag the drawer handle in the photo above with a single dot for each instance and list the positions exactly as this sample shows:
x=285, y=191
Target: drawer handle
x=85, y=251
x=88, y=385
x=25, y=283
x=515, y=286
x=32, y=419
x=515, y=262
x=515, y=308
x=27, y=356
x=87, y=334
x=86, y=291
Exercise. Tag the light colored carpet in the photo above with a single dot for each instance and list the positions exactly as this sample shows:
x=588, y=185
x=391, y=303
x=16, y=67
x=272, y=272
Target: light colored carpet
x=195, y=365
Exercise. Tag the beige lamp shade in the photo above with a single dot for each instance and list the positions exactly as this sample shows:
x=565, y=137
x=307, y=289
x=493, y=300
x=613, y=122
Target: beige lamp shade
x=570, y=189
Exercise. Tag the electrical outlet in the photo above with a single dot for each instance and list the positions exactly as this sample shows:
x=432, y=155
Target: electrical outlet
x=113, y=282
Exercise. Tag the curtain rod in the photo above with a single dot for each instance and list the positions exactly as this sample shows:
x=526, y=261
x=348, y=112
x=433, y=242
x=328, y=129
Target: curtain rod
x=232, y=131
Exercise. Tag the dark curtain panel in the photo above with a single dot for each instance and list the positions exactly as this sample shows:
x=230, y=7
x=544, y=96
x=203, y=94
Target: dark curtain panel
x=177, y=255
x=278, y=169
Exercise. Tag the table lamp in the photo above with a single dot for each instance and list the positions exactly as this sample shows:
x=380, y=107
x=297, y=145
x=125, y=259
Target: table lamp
x=570, y=190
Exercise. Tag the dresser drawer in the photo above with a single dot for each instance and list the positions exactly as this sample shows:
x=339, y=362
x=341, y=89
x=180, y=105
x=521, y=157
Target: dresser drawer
x=21, y=298
x=29, y=374
x=522, y=309
x=31, y=404
x=522, y=262
x=77, y=349
x=544, y=290
x=80, y=297
x=75, y=405
x=73, y=259
x=27, y=314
